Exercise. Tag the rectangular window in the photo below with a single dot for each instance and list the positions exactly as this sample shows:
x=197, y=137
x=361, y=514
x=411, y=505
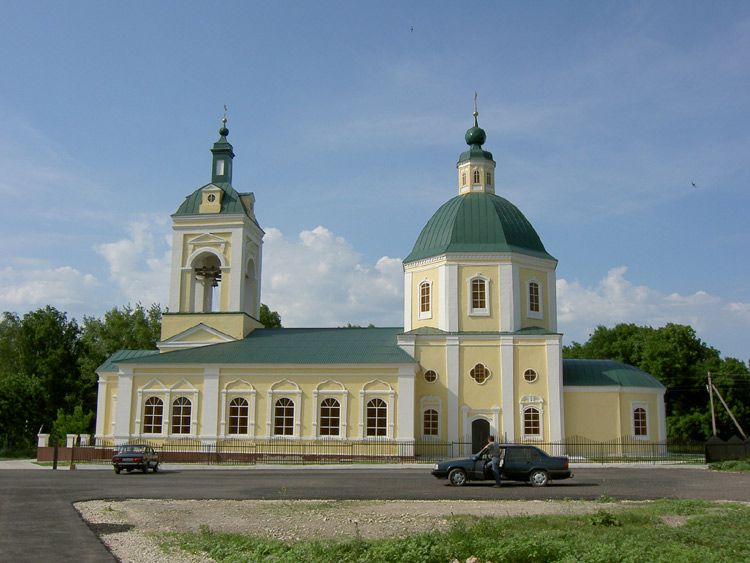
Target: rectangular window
x=430, y=420
x=640, y=425
x=534, y=297
x=479, y=296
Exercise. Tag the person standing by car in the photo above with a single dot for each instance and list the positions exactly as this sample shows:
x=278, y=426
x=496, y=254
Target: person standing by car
x=496, y=455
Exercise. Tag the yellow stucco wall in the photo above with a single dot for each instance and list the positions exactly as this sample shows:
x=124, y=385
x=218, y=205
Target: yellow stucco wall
x=525, y=276
x=236, y=325
x=418, y=276
x=469, y=322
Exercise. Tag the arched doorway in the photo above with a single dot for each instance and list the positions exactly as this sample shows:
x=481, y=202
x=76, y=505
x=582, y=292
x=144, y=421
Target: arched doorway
x=480, y=431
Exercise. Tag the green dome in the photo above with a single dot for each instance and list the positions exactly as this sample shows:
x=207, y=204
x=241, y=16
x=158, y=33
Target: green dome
x=479, y=222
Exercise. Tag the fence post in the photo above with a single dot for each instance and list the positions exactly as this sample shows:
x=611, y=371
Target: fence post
x=54, y=455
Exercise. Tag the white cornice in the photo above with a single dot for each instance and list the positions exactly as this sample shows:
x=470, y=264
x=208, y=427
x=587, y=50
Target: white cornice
x=489, y=257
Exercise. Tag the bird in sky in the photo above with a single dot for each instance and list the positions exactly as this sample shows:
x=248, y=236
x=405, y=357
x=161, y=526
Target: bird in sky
x=694, y=185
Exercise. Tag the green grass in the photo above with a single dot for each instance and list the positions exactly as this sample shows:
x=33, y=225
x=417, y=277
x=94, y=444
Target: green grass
x=707, y=532
x=732, y=465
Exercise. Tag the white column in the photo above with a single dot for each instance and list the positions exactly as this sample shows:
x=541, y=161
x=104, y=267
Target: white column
x=101, y=405
x=236, y=275
x=209, y=416
x=448, y=280
x=407, y=301
x=175, y=276
x=405, y=423
x=452, y=376
x=123, y=416
x=555, y=389
x=506, y=297
x=552, y=292
x=661, y=414
x=507, y=387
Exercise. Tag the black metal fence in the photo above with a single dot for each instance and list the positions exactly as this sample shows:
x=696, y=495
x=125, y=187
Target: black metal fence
x=298, y=452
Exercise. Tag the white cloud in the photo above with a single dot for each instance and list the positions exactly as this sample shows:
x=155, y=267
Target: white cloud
x=320, y=280
x=22, y=290
x=139, y=263
x=617, y=300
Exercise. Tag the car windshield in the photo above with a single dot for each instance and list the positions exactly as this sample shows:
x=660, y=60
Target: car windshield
x=132, y=449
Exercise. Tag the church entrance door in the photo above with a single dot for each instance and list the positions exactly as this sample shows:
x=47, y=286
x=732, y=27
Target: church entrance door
x=480, y=431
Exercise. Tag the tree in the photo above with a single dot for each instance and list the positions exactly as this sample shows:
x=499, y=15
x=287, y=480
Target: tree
x=680, y=360
x=270, y=319
x=39, y=355
x=127, y=328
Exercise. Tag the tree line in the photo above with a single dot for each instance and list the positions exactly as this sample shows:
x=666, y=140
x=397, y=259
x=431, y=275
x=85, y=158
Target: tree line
x=680, y=360
x=47, y=366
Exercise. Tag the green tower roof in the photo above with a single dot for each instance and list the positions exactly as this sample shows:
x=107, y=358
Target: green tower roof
x=479, y=222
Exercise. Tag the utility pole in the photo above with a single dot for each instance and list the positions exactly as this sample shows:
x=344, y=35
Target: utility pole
x=711, y=394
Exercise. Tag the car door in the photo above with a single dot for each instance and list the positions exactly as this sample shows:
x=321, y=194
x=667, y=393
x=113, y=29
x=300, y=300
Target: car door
x=517, y=463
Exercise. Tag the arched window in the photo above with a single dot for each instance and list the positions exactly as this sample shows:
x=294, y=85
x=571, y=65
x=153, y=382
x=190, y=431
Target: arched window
x=283, y=417
x=206, y=289
x=478, y=298
x=377, y=417
x=425, y=299
x=476, y=176
x=530, y=376
x=534, y=296
x=330, y=417
x=430, y=376
x=532, y=422
x=480, y=373
x=489, y=178
x=181, y=412
x=640, y=422
x=430, y=423
x=463, y=179
x=239, y=416
x=152, y=415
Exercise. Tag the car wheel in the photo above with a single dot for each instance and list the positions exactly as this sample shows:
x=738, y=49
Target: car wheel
x=145, y=468
x=538, y=478
x=155, y=468
x=457, y=477
x=117, y=470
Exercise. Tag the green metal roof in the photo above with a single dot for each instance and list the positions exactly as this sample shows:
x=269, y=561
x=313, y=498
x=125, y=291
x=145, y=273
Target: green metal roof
x=230, y=201
x=606, y=373
x=110, y=364
x=480, y=222
x=295, y=346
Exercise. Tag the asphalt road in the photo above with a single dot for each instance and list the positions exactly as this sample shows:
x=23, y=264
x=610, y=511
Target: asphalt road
x=38, y=521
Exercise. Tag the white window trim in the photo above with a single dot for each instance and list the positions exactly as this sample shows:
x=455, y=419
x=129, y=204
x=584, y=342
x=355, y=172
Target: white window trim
x=529, y=313
x=483, y=312
x=341, y=395
x=246, y=391
x=274, y=395
x=535, y=401
x=422, y=315
x=643, y=405
x=488, y=370
x=434, y=403
x=365, y=395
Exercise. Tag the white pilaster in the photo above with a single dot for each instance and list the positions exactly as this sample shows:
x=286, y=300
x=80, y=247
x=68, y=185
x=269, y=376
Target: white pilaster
x=506, y=295
x=661, y=414
x=123, y=416
x=448, y=276
x=406, y=419
x=552, y=292
x=556, y=408
x=407, y=301
x=209, y=418
x=517, y=294
x=101, y=405
x=507, y=387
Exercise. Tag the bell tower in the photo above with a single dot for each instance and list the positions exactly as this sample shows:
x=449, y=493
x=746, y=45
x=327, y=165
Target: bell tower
x=214, y=292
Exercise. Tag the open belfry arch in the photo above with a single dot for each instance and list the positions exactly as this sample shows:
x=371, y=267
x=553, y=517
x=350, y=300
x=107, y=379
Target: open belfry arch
x=479, y=352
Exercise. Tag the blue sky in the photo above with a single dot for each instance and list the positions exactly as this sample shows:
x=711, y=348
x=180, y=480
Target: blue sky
x=347, y=120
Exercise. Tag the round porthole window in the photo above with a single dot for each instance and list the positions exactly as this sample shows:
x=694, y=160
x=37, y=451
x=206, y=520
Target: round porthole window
x=430, y=376
x=530, y=375
x=211, y=198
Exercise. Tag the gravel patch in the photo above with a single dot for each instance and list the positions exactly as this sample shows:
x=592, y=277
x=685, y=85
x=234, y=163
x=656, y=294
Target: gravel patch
x=131, y=528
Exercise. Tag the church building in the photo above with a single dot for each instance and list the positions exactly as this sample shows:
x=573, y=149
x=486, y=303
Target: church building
x=479, y=353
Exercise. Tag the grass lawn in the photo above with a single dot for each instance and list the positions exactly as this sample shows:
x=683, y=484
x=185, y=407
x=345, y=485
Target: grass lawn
x=665, y=530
